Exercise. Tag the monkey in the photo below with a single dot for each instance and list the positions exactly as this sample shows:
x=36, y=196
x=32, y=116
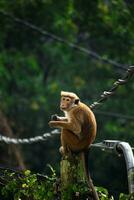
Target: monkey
x=78, y=125
x=78, y=128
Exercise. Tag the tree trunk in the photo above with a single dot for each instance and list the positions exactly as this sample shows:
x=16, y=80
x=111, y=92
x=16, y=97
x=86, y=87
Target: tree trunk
x=7, y=131
x=73, y=174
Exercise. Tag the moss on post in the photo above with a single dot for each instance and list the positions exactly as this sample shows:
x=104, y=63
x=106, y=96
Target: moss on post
x=74, y=183
x=71, y=170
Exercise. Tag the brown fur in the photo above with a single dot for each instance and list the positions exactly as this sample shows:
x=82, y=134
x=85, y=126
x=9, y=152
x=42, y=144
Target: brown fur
x=79, y=125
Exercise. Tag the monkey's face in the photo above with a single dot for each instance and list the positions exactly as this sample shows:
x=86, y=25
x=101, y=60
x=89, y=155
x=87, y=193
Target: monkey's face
x=66, y=103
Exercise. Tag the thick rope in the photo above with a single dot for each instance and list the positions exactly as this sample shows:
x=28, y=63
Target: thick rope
x=31, y=140
x=107, y=94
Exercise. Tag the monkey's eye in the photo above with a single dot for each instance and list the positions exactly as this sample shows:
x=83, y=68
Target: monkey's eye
x=63, y=99
x=67, y=99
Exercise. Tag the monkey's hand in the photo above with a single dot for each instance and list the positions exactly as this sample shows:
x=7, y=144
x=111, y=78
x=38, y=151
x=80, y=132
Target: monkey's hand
x=53, y=124
x=54, y=117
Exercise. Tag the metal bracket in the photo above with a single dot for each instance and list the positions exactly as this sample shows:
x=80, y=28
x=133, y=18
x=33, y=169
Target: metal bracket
x=124, y=148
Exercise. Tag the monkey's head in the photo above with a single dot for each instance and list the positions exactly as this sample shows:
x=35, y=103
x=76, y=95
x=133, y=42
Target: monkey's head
x=68, y=100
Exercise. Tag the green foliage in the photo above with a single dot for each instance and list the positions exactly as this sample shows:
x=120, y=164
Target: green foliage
x=28, y=186
x=34, y=69
x=103, y=193
x=78, y=190
x=125, y=197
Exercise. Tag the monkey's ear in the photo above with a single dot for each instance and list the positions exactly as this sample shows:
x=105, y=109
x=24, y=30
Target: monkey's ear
x=76, y=101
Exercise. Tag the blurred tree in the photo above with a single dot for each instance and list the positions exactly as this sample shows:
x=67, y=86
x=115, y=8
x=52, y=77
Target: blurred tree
x=34, y=69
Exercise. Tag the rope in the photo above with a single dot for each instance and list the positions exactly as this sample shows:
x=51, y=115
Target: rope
x=31, y=140
x=106, y=94
x=104, y=97
x=61, y=40
x=44, y=137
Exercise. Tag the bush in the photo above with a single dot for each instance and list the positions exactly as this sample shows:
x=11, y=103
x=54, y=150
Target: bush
x=28, y=186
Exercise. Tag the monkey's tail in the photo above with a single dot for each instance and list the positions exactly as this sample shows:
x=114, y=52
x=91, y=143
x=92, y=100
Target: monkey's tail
x=87, y=174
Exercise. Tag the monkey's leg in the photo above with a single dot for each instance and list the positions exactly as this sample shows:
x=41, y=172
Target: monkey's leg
x=63, y=149
x=71, y=141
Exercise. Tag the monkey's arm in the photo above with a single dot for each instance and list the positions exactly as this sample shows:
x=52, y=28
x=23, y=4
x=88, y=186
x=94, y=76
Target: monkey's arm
x=72, y=125
x=62, y=119
x=55, y=117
